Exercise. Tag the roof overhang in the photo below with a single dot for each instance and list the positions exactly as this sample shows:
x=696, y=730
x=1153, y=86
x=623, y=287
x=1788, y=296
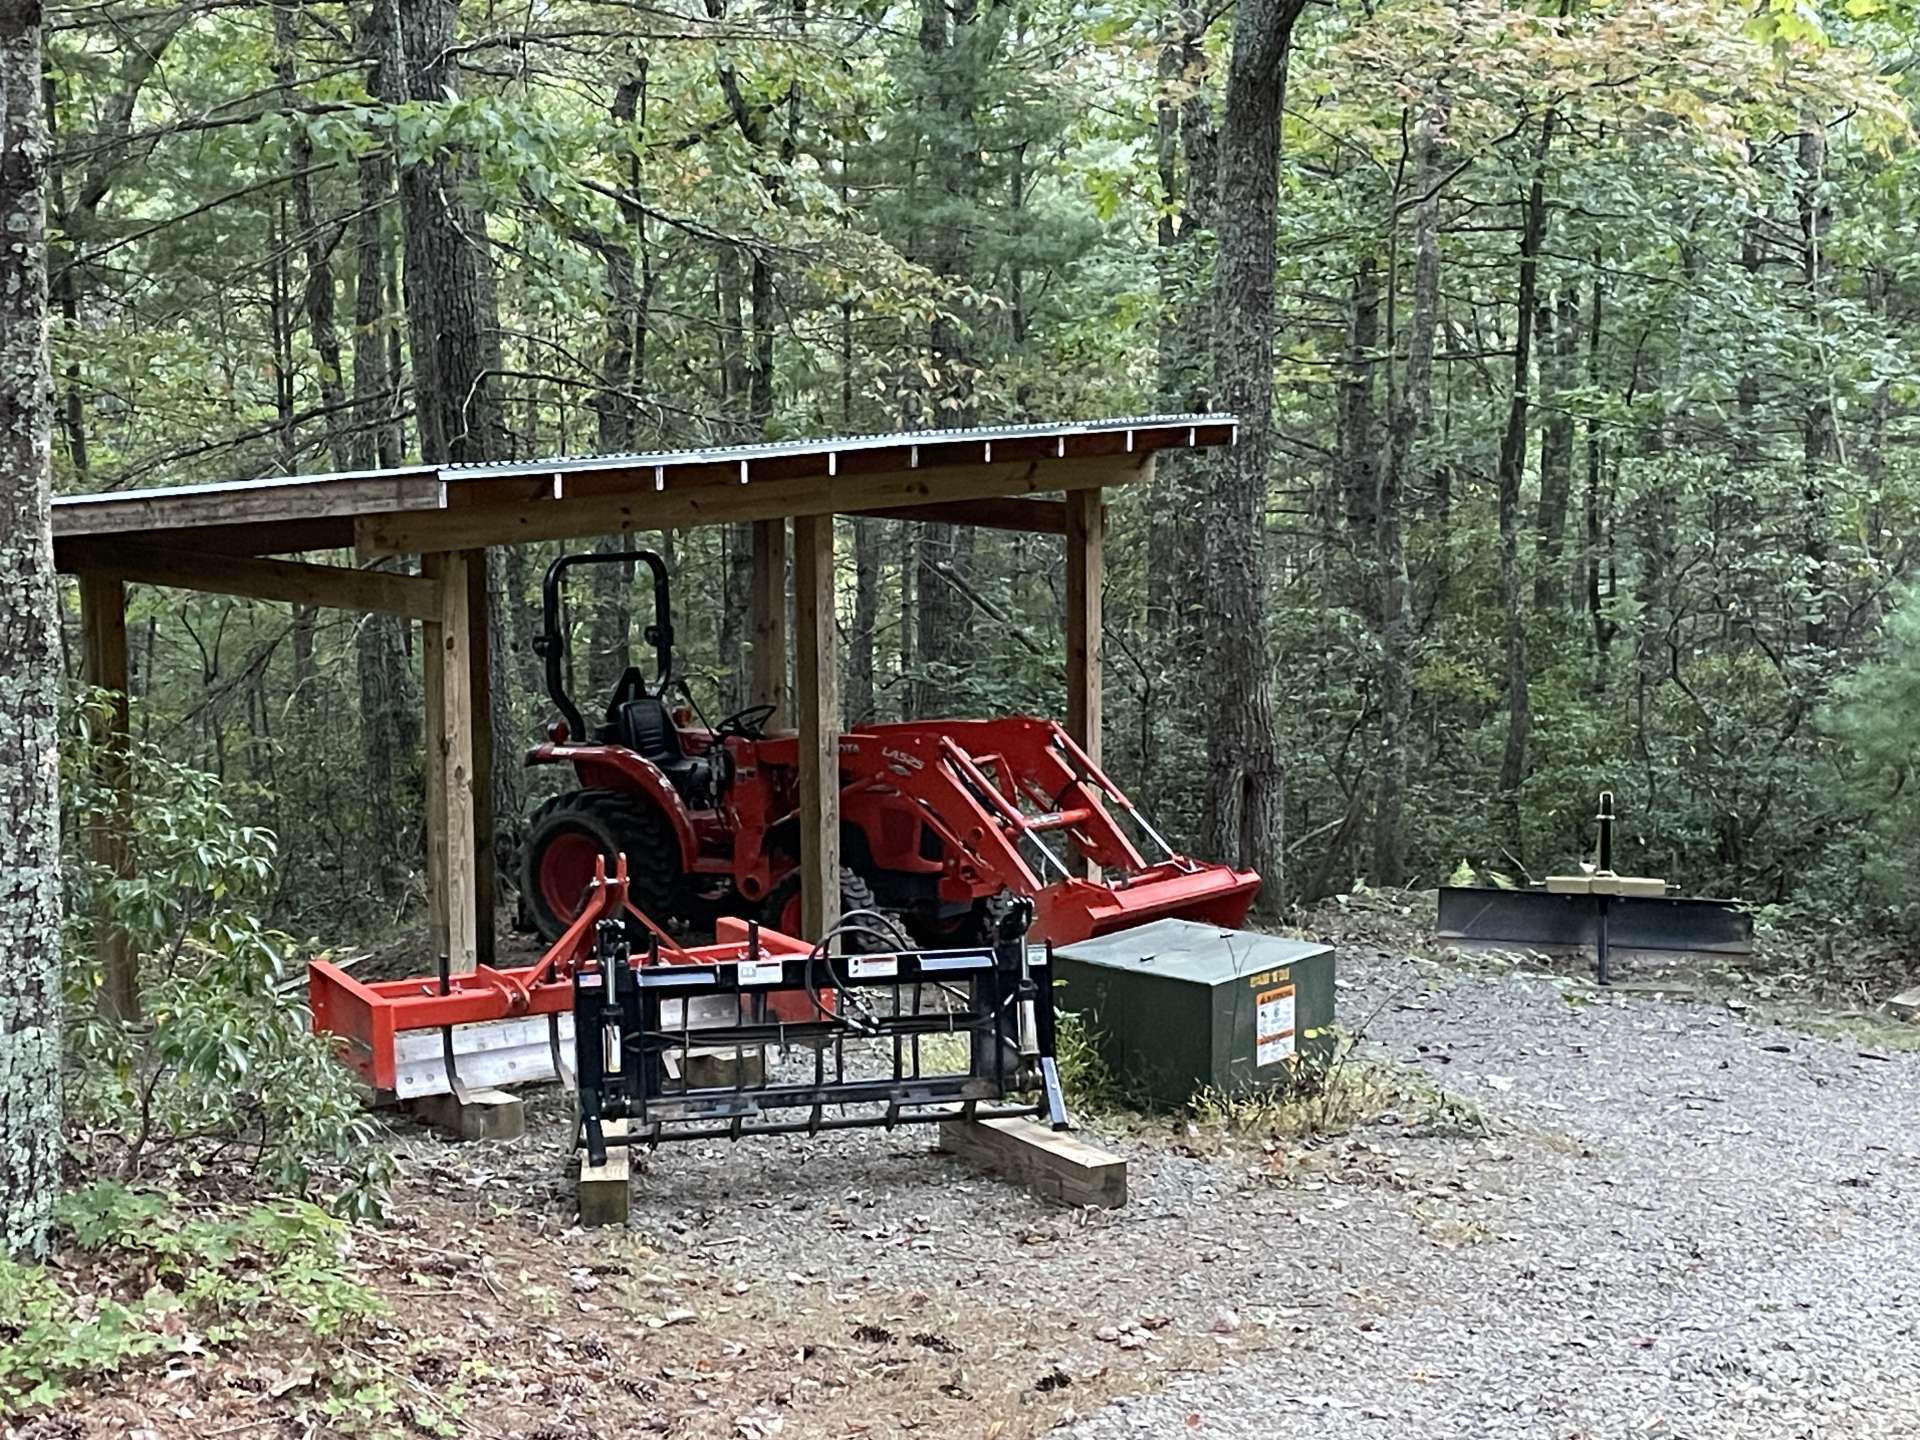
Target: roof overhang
x=917, y=475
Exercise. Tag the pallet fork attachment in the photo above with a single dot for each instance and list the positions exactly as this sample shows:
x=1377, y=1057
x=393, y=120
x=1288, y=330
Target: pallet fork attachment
x=870, y=1037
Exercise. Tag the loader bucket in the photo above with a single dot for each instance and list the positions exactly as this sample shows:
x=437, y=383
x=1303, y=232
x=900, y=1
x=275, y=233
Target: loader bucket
x=1073, y=910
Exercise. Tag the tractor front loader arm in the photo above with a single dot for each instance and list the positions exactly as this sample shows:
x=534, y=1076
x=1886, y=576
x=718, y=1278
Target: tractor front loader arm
x=1018, y=805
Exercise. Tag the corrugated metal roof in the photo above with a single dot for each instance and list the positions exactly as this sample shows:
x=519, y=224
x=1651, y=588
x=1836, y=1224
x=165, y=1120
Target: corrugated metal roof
x=322, y=504
x=984, y=435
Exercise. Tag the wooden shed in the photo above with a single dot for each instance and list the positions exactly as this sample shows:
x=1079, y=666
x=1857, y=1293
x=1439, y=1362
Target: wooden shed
x=236, y=539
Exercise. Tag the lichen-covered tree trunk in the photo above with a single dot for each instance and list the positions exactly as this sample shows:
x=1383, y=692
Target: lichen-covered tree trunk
x=1245, y=792
x=29, y=663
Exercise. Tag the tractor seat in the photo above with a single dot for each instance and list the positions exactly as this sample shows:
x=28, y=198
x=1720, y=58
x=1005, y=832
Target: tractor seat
x=644, y=726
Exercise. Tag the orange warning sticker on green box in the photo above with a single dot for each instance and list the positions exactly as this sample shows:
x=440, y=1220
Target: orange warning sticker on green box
x=1273, y=1026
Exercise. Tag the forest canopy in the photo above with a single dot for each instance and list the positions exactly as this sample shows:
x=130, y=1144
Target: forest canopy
x=1595, y=439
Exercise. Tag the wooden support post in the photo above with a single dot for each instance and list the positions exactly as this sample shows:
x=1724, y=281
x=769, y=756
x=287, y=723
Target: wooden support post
x=448, y=670
x=1086, y=571
x=103, y=614
x=480, y=693
x=769, y=675
x=1060, y=1167
x=816, y=699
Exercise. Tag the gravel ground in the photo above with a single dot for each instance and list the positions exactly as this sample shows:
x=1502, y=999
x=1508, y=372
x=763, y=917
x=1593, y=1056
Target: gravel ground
x=1700, y=1231
x=1676, y=1223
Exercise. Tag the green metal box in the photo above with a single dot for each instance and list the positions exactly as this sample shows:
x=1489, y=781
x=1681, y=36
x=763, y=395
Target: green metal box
x=1177, y=1006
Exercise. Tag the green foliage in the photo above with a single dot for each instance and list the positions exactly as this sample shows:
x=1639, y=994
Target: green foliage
x=1871, y=716
x=1343, y=1091
x=1085, y=1076
x=222, y=1070
x=148, y=1274
x=1006, y=225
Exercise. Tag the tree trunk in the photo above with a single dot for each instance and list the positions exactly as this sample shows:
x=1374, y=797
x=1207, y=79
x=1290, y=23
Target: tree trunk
x=389, y=701
x=1560, y=349
x=1512, y=470
x=951, y=50
x=944, y=616
x=453, y=334
x=1820, y=440
x=1596, y=541
x=866, y=619
x=66, y=288
x=1185, y=338
x=1245, y=788
x=456, y=395
x=30, y=669
x=1408, y=418
x=316, y=244
x=610, y=587
x=909, y=543
x=1359, y=442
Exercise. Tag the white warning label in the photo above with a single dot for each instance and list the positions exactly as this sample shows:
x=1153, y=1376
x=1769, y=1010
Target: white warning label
x=1273, y=1026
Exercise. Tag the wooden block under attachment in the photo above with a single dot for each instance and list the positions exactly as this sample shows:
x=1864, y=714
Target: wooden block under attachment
x=1057, y=1166
x=485, y=1115
x=603, y=1190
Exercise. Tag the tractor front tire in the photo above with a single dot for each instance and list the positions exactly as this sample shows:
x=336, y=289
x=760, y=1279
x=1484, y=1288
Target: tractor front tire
x=565, y=836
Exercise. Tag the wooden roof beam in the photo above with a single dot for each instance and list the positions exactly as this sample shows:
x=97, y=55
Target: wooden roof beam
x=1035, y=517
x=248, y=502
x=291, y=581
x=578, y=516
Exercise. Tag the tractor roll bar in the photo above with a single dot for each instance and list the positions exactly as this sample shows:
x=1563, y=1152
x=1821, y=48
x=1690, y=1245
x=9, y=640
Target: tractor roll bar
x=551, y=643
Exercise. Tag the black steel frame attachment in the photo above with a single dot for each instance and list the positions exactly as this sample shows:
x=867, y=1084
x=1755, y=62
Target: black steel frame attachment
x=881, y=1009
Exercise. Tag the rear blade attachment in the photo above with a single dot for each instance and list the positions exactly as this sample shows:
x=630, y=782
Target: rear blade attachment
x=447, y=1034
x=912, y=1036
x=1553, y=922
x=1595, y=910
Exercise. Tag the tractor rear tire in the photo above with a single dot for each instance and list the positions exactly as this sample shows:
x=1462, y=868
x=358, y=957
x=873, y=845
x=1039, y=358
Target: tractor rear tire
x=777, y=910
x=565, y=834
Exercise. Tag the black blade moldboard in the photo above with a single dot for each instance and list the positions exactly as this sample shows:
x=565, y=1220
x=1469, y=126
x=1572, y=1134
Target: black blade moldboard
x=1634, y=922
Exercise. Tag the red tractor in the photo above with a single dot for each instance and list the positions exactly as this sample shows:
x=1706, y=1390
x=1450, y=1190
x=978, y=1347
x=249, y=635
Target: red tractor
x=939, y=819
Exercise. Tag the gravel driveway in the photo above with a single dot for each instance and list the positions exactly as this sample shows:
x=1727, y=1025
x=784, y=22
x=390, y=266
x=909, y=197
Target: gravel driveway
x=1676, y=1223
x=1688, y=1226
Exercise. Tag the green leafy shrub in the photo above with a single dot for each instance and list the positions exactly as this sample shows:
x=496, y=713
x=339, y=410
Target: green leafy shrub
x=1871, y=716
x=221, y=1071
x=143, y=1276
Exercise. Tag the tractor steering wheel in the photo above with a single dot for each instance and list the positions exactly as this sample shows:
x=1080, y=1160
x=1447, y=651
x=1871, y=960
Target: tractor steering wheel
x=748, y=724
